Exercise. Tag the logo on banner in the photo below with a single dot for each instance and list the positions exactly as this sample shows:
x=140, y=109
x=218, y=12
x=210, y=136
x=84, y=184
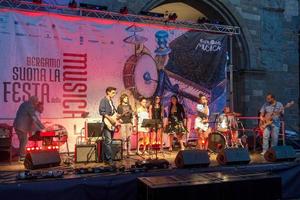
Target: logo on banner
x=209, y=45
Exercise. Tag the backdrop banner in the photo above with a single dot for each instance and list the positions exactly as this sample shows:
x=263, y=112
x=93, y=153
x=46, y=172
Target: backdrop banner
x=68, y=62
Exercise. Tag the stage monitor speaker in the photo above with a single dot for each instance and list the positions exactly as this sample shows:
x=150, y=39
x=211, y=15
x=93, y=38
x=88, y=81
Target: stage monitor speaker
x=280, y=153
x=85, y=153
x=42, y=159
x=192, y=158
x=233, y=156
x=94, y=129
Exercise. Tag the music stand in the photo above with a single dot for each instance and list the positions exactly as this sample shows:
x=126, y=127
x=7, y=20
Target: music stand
x=152, y=123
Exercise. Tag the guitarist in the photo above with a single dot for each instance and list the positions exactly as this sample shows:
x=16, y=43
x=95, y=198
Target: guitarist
x=107, y=111
x=271, y=110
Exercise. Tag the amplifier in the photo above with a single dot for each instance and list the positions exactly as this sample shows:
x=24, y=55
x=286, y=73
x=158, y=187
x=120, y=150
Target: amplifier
x=117, y=150
x=5, y=135
x=94, y=129
x=5, y=142
x=85, y=153
x=5, y=131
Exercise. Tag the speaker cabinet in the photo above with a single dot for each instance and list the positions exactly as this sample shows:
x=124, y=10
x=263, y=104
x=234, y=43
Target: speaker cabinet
x=117, y=150
x=192, y=158
x=233, y=156
x=42, y=159
x=85, y=153
x=280, y=153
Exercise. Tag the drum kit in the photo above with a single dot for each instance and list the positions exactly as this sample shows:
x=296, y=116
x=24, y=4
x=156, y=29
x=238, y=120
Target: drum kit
x=222, y=137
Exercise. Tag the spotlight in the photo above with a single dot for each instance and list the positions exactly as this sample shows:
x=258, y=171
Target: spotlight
x=173, y=17
x=92, y=7
x=72, y=4
x=124, y=10
x=37, y=1
x=152, y=14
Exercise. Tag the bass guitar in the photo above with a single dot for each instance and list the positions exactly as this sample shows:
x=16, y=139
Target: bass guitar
x=268, y=119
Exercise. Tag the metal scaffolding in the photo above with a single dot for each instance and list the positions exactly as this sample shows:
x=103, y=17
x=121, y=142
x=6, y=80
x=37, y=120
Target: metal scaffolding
x=65, y=10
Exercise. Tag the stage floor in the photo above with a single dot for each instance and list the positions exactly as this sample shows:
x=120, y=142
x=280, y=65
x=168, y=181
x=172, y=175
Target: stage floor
x=256, y=158
x=123, y=183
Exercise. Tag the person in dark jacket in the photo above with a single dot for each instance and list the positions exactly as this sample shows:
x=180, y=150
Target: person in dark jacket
x=26, y=122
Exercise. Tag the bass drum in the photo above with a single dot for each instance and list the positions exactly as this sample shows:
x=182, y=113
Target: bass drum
x=140, y=75
x=216, y=142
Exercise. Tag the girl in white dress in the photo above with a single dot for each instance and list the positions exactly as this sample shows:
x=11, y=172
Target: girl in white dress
x=143, y=133
x=201, y=122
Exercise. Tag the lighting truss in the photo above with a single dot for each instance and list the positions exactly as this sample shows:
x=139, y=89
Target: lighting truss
x=65, y=10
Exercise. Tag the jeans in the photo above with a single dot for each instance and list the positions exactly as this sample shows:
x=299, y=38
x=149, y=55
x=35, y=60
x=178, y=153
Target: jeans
x=272, y=131
x=23, y=138
x=107, y=140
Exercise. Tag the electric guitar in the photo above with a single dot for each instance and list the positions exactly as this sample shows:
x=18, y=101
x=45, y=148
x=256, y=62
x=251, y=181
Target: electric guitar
x=268, y=119
x=112, y=122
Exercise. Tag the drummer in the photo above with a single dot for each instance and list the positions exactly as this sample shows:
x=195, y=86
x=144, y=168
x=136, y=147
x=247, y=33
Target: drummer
x=227, y=124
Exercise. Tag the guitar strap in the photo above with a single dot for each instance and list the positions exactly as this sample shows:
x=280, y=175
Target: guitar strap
x=114, y=110
x=274, y=107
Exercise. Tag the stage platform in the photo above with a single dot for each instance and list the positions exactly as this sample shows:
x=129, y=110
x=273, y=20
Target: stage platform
x=123, y=184
x=256, y=158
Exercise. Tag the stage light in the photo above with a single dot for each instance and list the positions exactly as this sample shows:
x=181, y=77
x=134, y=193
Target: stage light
x=124, y=10
x=92, y=7
x=173, y=17
x=28, y=148
x=37, y=148
x=37, y=1
x=49, y=147
x=152, y=14
x=73, y=4
x=32, y=148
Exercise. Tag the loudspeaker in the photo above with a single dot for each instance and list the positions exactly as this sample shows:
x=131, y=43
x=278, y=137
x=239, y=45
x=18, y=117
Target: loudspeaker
x=85, y=153
x=233, y=156
x=192, y=158
x=116, y=147
x=94, y=129
x=42, y=159
x=280, y=153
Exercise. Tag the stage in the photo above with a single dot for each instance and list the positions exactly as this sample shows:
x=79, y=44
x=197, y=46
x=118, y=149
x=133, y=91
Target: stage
x=15, y=166
x=122, y=184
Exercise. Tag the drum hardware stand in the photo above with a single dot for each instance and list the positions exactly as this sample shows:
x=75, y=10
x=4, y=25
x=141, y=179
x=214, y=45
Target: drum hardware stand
x=243, y=135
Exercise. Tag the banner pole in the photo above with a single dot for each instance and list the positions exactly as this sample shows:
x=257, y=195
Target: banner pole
x=231, y=73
